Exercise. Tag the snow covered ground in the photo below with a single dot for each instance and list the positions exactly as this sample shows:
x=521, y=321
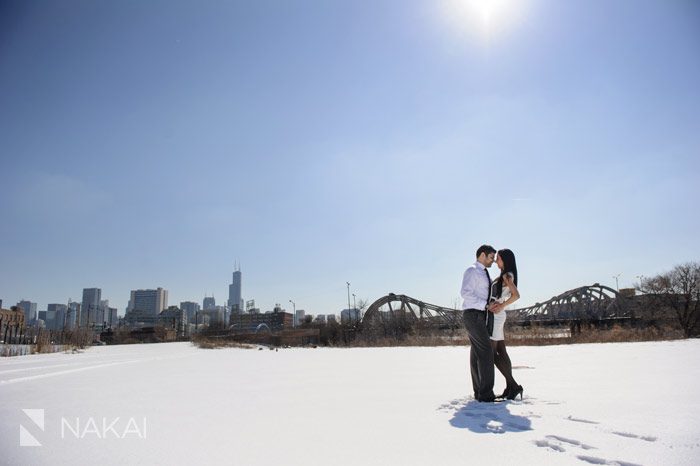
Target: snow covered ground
x=632, y=403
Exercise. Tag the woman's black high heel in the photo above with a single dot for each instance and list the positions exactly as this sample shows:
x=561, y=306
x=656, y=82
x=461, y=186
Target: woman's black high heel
x=514, y=392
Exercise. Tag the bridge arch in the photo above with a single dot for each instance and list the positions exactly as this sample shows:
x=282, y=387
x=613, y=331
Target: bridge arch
x=587, y=303
x=262, y=328
x=594, y=302
x=400, y=310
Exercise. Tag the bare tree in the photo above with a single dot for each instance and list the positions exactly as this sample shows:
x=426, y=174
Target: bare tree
x=678, y=290
x=362, y=304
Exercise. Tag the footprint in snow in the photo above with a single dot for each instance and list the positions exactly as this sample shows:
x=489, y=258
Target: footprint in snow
x=603, y=461
x=585, y=421
x=647, y=438
x=551, y=445
x=572, y=442
x=558, y=443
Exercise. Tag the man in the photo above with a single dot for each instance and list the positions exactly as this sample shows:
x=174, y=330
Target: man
x=476, y=290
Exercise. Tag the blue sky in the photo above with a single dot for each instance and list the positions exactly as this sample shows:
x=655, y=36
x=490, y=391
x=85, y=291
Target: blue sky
x=147, y=144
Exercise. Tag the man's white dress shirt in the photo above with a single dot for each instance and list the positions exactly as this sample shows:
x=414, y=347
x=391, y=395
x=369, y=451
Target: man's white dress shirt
x=475, y=287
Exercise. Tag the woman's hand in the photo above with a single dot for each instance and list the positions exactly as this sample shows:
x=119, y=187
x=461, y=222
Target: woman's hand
x=495, y=307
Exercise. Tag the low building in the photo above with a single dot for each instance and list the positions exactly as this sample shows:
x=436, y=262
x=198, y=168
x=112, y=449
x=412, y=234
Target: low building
x=275, y=321
x=12, y=317
x=297, y=337
x=139, y=318
x=12, y=324
x=349, y=315
x=173, y=318
x=289, y=337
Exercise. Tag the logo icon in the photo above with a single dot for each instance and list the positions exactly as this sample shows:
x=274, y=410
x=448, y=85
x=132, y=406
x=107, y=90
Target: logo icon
x=26, y=439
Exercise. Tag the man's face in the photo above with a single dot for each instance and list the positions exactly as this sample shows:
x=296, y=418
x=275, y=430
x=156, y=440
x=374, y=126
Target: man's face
x=489, y=259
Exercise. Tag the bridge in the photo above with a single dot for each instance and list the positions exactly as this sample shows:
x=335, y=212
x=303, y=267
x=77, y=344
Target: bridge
x=402, y=309
x=588, y=303
x=592, y=303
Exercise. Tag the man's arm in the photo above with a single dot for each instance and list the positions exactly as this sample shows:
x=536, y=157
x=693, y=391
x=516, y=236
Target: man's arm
x=468, y=286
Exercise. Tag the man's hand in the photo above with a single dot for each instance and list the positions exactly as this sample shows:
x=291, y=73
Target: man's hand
x=495, y=307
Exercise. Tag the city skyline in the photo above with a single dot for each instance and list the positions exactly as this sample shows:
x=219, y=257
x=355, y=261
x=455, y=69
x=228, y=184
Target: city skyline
x=95, y=294
x=153, y=144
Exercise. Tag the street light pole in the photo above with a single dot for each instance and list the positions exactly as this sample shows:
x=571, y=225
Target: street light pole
x=294, y=313
x=617, y=285
x=349, y=310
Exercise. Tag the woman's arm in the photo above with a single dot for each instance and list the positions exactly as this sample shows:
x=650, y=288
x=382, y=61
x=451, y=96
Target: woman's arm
x=514, y=294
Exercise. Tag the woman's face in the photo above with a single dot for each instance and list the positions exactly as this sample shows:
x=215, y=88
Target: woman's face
x=499, y=262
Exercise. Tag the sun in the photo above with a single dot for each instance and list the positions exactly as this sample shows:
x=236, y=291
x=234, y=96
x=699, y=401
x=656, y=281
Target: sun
x=487, y=10
x=485, y=18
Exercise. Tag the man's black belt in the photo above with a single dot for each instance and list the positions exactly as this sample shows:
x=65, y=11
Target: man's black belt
x=475, y=310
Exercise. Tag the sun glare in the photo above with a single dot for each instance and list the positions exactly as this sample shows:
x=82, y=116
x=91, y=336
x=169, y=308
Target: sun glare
x=485, y=18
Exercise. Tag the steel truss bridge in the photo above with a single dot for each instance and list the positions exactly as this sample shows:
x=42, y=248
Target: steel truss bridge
x=399, y=308
x=587, y=303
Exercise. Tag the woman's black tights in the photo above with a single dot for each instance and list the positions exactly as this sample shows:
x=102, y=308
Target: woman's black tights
x=502, y=360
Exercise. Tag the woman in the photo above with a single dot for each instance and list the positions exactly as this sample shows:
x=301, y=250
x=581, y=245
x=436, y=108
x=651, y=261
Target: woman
x=504, y=291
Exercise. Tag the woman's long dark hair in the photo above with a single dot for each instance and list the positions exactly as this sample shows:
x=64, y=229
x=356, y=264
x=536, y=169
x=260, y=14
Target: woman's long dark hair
x=508, y=259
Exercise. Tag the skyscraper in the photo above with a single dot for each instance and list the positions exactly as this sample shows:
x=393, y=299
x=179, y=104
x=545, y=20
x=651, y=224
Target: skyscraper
x=90, y=306
x=73, y=315
x=209, y=303
x=112, y=317
x=191, y=309
x=235, y=302
x=56, y=316
x=29, y=309
x=152, y=302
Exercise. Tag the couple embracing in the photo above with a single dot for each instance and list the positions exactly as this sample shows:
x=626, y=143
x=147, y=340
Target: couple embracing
x=484, y=307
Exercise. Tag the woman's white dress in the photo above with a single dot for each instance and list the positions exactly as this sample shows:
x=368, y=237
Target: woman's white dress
x=499, y=319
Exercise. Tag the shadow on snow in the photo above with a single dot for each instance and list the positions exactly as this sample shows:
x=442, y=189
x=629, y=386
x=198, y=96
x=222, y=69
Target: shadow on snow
x=489, y=418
